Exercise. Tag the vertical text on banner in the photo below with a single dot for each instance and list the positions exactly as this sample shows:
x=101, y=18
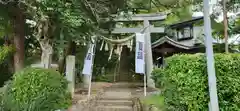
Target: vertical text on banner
x=87, y=68
x=139, y=56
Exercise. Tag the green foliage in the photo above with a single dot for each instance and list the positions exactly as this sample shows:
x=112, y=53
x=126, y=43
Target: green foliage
x=35, y=89
x=177, y=16
x=185, y=84
x=5, y=54
x=100, y=61
x=156, y=100
x=1, y=102
x=6, y=74
x=236, y=26
x=102, y=78
x=5, y=24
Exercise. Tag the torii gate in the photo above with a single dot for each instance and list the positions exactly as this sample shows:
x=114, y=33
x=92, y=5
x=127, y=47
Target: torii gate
x=150, y=29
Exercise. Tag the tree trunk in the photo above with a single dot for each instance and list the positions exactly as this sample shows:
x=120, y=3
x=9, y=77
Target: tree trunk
x=8, y=42
x=225, y=25
x=71, y=50
x=61, y=63
x=19, y=38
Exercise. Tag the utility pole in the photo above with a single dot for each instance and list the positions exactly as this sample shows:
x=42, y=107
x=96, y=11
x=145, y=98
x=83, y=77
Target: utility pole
x=225, y=22
x=210, y=59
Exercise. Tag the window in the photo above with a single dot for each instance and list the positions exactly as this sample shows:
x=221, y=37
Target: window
x=185, y=33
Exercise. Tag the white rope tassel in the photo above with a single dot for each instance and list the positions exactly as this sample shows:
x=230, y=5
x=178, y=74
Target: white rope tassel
x=110, y=56
x=120, y=53
x=106, y=47
x=116, y=51
x=84, y=43
x=102, y=45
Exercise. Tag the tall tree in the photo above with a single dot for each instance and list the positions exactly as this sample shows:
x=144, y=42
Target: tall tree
x=228, y=6
x=225, y=21
x=16, y=18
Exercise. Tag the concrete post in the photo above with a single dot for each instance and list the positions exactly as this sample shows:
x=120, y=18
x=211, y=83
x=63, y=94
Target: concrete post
x=70, y=73
x=210, y=59
x=148, y=55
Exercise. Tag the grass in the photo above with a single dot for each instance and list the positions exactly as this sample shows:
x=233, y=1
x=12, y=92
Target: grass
x=156, y=100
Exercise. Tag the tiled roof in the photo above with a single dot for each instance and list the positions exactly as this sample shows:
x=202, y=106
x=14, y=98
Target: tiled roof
x=168, y=40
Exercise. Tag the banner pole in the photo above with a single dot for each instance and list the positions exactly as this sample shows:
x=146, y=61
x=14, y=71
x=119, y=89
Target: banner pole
x=145, y=85
x=139, y=58
x=89, y=86
x=90, y=76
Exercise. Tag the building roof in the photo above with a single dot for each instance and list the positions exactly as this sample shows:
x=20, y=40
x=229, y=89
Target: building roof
x=172, y=42
x=187, y=22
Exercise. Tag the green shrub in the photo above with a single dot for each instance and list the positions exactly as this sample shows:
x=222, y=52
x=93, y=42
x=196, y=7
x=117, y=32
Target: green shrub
x=155, y=99
x=1, y=102
x=185, y=84
x=5, y=73
x=36, y=89
x=5, y=54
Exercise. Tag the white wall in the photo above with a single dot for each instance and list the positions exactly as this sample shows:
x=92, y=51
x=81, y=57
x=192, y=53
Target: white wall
x=197, y=34
x=198, y=31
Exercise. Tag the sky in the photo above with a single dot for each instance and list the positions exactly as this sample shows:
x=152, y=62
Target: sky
x=234, y=39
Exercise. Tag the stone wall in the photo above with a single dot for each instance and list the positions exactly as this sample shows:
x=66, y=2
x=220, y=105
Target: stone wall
x=137, y=104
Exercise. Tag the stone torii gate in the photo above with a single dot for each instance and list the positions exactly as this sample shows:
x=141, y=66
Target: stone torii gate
x=145, y=18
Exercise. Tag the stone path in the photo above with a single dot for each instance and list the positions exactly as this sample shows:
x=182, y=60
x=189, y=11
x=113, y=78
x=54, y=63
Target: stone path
x=117, y=97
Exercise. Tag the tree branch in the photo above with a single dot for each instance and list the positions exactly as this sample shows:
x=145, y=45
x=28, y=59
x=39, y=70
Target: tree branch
x=154, y=3
x=5, y=2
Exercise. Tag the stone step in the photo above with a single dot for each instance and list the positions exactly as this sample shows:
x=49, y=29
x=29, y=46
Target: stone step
x=112, y=99
x=115, y=108
x=118, y=95
x=115, y=102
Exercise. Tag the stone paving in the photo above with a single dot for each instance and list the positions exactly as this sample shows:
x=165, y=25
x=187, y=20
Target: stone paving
x=115, y=97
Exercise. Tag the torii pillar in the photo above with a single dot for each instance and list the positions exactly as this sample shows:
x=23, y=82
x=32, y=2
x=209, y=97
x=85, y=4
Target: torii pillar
x=148, y=55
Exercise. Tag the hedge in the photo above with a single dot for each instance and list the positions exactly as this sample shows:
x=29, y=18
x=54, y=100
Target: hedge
x=36, y=89
x=185, y=84
x=5, y=54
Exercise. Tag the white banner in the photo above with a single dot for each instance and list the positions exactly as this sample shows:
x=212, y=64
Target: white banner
x=139, y=56
x=87, y=68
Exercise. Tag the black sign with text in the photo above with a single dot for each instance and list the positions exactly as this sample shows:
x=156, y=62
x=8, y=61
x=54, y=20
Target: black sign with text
x=140, y=55
x=89, y=56
x=140, y=46
x=140, y=51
